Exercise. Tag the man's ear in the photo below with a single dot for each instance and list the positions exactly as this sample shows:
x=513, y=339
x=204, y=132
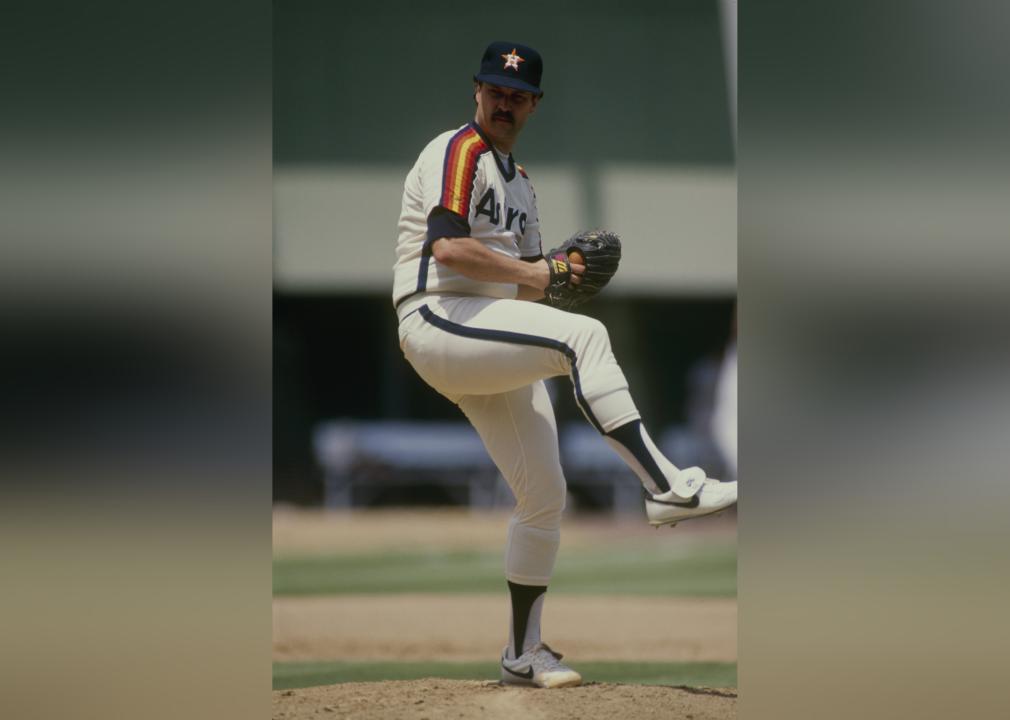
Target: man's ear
x=536, y=99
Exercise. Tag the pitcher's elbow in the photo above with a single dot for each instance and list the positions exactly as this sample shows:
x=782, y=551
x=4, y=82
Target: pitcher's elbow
x=442, y=250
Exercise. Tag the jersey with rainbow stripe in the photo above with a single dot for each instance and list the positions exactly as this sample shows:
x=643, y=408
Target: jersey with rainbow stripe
x=461, y=155
x=461, y=186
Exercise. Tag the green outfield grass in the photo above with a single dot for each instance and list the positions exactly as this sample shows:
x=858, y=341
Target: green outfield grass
x=701, y=571
x=307, y=674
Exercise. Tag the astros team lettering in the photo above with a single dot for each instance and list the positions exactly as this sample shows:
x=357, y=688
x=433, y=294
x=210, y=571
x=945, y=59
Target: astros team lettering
x=489, y=206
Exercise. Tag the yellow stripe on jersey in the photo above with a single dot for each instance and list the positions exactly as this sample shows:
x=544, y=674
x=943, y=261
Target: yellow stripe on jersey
x=460, y=168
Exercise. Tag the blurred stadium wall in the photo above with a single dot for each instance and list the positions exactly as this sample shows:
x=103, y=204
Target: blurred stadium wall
x=634, y=134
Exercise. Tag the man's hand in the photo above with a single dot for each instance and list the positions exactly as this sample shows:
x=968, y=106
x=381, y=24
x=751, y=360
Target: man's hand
x=565, y=274
x=597, y=252
x=538, y=289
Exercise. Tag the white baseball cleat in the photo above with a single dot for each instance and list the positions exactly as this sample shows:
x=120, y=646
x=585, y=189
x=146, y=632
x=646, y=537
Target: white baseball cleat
x=539, y=666
x=693, y=495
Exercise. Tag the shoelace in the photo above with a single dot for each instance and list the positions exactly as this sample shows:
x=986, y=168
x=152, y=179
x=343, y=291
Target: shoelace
x=547, y=658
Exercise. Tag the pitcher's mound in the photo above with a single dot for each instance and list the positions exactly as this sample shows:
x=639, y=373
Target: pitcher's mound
x=435, y=699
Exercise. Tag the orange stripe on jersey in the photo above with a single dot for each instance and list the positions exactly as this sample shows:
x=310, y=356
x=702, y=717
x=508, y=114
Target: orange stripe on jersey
x=461, y=156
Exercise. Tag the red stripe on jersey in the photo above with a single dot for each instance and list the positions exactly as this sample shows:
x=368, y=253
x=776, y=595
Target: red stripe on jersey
x=459, y=171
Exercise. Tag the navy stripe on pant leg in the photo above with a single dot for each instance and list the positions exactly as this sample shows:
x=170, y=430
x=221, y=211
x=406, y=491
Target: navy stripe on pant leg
x=518, y=339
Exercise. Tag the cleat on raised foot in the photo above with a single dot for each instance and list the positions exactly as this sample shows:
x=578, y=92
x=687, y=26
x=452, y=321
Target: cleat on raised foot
x=708, y=498
x=540, y=667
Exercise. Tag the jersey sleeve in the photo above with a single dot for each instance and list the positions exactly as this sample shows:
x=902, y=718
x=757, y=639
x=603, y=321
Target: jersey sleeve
x=531, y=245
x=453, y=181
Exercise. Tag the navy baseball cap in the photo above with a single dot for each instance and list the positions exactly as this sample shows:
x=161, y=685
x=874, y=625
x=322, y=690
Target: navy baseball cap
x=512, y=65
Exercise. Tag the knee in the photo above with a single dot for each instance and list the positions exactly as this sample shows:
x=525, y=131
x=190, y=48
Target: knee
x=589, y=334
x=544, y=506
x=591, y=327
x=554, y=500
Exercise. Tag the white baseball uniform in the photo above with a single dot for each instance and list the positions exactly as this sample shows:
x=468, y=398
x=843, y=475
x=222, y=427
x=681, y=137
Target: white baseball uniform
x=488, y=352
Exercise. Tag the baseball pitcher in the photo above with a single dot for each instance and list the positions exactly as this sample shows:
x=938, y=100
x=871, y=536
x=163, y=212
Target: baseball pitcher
x=483, y=319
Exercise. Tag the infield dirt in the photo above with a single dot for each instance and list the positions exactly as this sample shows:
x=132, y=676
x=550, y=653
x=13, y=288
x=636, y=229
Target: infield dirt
x=434, y=699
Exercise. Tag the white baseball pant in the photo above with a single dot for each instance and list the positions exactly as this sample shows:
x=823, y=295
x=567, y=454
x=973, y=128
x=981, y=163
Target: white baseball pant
x=490, y=356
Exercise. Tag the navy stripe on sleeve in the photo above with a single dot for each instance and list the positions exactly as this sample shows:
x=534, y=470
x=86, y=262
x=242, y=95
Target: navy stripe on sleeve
x=443, y=222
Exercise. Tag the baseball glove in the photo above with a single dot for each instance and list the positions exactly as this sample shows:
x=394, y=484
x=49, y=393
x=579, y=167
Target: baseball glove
x=598, y=250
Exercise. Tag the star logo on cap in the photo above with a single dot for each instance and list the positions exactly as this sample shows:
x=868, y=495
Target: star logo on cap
x=512, y=60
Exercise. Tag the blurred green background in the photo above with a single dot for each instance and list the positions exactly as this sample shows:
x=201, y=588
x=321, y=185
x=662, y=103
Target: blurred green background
x=372, y=82
x=634, y=133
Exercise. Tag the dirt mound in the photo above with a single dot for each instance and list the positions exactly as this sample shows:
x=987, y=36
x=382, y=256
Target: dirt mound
x=434, y=699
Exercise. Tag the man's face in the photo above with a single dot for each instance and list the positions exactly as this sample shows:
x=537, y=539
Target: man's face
x=502, y=111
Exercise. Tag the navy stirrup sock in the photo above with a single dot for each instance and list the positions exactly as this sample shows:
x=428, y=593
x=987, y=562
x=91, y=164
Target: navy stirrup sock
x=523, y=597
x=630, y=436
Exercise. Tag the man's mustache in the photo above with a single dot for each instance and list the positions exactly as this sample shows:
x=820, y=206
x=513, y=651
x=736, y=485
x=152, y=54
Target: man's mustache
x=503, y=116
